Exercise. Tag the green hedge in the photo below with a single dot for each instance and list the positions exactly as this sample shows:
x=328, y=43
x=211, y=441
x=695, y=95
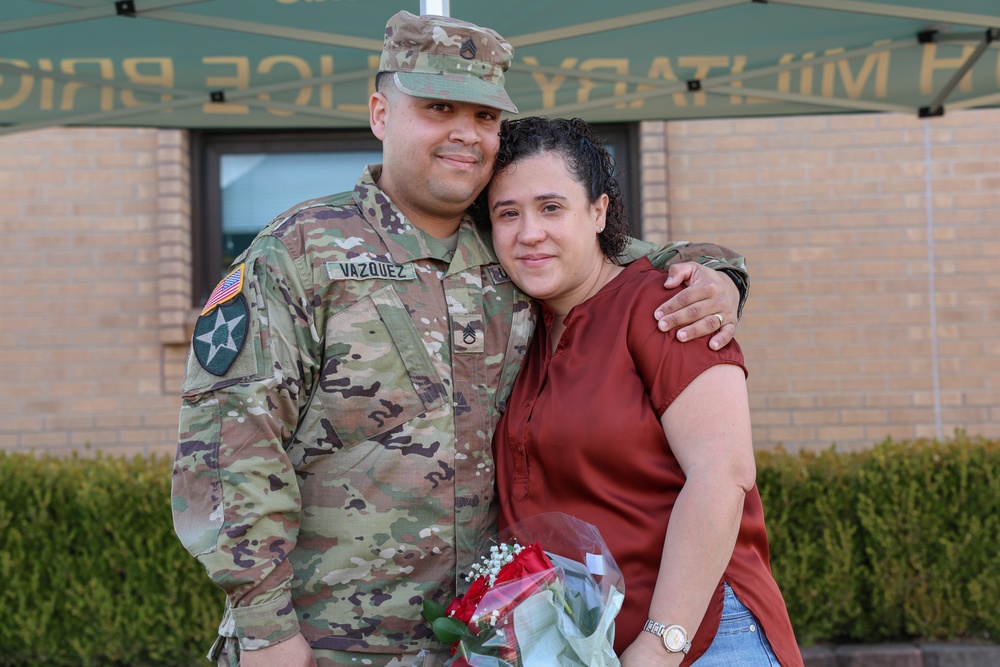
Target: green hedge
x=898, y=542
x=92, y=572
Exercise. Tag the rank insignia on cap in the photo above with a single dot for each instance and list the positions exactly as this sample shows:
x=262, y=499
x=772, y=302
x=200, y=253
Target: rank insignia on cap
x=468, y=50
x=219, y=336
x=226, y=290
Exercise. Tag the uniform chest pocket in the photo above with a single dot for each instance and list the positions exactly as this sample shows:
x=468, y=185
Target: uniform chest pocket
x=377, y=373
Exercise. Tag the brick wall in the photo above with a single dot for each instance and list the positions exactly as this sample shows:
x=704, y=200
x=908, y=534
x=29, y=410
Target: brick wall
x=81, y=284
x=830, y=210
x=852, y=265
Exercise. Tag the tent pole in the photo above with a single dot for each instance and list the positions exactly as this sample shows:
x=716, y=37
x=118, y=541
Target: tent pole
x=435, y=7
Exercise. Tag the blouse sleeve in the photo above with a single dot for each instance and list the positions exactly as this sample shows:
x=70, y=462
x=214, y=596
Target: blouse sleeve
x=666, y=365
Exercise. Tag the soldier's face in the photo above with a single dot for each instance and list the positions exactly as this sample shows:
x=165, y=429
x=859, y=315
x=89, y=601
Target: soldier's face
x=437, y=154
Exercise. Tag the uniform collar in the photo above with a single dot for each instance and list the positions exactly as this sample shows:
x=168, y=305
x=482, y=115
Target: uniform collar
x=406, y=242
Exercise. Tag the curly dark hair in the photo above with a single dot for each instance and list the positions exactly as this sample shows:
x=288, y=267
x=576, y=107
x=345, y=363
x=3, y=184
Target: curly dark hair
x=586, y=157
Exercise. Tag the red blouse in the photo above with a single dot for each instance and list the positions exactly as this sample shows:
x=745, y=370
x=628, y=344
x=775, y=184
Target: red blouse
x=597, y=449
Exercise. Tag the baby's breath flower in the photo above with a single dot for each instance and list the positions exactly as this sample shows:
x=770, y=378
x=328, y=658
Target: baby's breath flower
x=490, y=567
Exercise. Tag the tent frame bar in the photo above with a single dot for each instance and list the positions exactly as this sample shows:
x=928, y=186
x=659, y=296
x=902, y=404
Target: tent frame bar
x=701, y=6
x=83, y=13
x=895, y=11
x=618, y=22
x=159, y=10
x=936, y=107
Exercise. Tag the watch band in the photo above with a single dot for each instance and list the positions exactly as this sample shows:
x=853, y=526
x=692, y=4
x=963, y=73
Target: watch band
x=654, y=627
x=674, y=637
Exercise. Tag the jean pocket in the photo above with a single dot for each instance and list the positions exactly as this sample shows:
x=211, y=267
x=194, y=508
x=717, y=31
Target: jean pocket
x=736, y=618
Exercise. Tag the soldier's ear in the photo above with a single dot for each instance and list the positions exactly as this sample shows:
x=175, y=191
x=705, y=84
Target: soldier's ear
x=378, y=110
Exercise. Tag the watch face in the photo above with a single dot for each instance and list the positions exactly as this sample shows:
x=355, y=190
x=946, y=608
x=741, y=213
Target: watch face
x=674, y=638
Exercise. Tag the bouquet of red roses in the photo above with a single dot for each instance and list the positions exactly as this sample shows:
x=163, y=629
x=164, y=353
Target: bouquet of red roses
x=527, y=606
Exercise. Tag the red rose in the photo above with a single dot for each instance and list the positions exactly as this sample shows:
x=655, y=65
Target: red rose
x=529, y=571
x=464, y=606
x=531, y=560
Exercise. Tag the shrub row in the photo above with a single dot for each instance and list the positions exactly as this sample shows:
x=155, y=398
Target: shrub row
x=92, y=572
x=898, y=542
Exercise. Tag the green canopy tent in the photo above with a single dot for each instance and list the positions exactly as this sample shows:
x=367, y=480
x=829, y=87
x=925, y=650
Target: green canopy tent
x=310, y=63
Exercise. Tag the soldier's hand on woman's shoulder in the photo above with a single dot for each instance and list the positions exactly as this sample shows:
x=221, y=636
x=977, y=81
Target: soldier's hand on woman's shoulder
x=707, y=305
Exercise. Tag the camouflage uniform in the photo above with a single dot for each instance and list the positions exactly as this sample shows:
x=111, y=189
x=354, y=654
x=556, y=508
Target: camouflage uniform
x=342, y=463
x=334, y=464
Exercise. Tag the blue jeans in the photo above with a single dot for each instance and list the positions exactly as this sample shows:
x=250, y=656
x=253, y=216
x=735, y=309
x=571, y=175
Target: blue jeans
x=740, y=641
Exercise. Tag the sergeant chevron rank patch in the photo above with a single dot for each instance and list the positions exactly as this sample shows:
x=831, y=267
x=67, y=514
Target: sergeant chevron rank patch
x=467, y=334
x=220, y=334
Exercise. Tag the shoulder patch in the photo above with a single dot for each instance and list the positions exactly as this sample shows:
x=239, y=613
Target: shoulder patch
x=226, y=290
x=219, y=335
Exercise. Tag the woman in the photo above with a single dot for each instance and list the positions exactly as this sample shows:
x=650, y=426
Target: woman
x=618, y=424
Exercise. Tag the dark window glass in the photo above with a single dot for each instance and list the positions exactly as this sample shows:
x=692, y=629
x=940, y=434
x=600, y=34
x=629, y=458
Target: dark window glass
x=622, y=139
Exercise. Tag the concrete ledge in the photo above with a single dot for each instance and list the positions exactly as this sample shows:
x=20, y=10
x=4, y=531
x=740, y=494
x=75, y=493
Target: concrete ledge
x=903, y=655
x=960, y=655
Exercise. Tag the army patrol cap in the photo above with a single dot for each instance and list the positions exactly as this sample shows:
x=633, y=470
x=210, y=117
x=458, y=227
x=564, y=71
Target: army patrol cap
x=439, y=57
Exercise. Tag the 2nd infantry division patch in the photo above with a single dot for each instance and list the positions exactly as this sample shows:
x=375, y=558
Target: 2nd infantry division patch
x=219, y=336
x=221, y=330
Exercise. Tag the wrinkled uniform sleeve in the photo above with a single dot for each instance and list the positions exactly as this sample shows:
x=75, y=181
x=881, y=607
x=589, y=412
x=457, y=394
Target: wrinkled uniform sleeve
x=235, y=496
x=711, y=255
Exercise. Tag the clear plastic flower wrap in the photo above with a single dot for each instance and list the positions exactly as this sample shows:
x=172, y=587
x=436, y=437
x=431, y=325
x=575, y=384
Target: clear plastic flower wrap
x=546, y=593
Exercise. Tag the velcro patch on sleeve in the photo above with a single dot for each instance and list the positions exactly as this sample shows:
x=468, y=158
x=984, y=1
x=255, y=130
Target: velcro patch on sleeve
x=226, y=290
x=219, y=336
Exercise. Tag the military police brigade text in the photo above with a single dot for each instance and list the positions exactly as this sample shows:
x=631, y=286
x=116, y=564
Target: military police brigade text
x=157, y=76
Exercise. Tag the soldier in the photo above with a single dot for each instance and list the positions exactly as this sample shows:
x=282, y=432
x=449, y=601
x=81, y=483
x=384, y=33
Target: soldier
x=333, y=466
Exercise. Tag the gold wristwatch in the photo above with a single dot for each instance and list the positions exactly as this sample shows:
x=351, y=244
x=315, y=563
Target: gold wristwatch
x=675, y=638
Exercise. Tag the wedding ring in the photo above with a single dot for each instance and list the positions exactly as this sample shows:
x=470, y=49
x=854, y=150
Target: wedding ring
x=721, y=319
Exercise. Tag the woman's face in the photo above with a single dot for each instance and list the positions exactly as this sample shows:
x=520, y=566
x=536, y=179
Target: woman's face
x=545, y=230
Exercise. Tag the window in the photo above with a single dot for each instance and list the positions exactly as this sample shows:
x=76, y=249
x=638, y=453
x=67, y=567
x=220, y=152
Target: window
x=622, y=139
x=242, y=180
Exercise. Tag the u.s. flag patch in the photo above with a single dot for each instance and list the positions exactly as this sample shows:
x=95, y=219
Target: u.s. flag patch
x=226, y=290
